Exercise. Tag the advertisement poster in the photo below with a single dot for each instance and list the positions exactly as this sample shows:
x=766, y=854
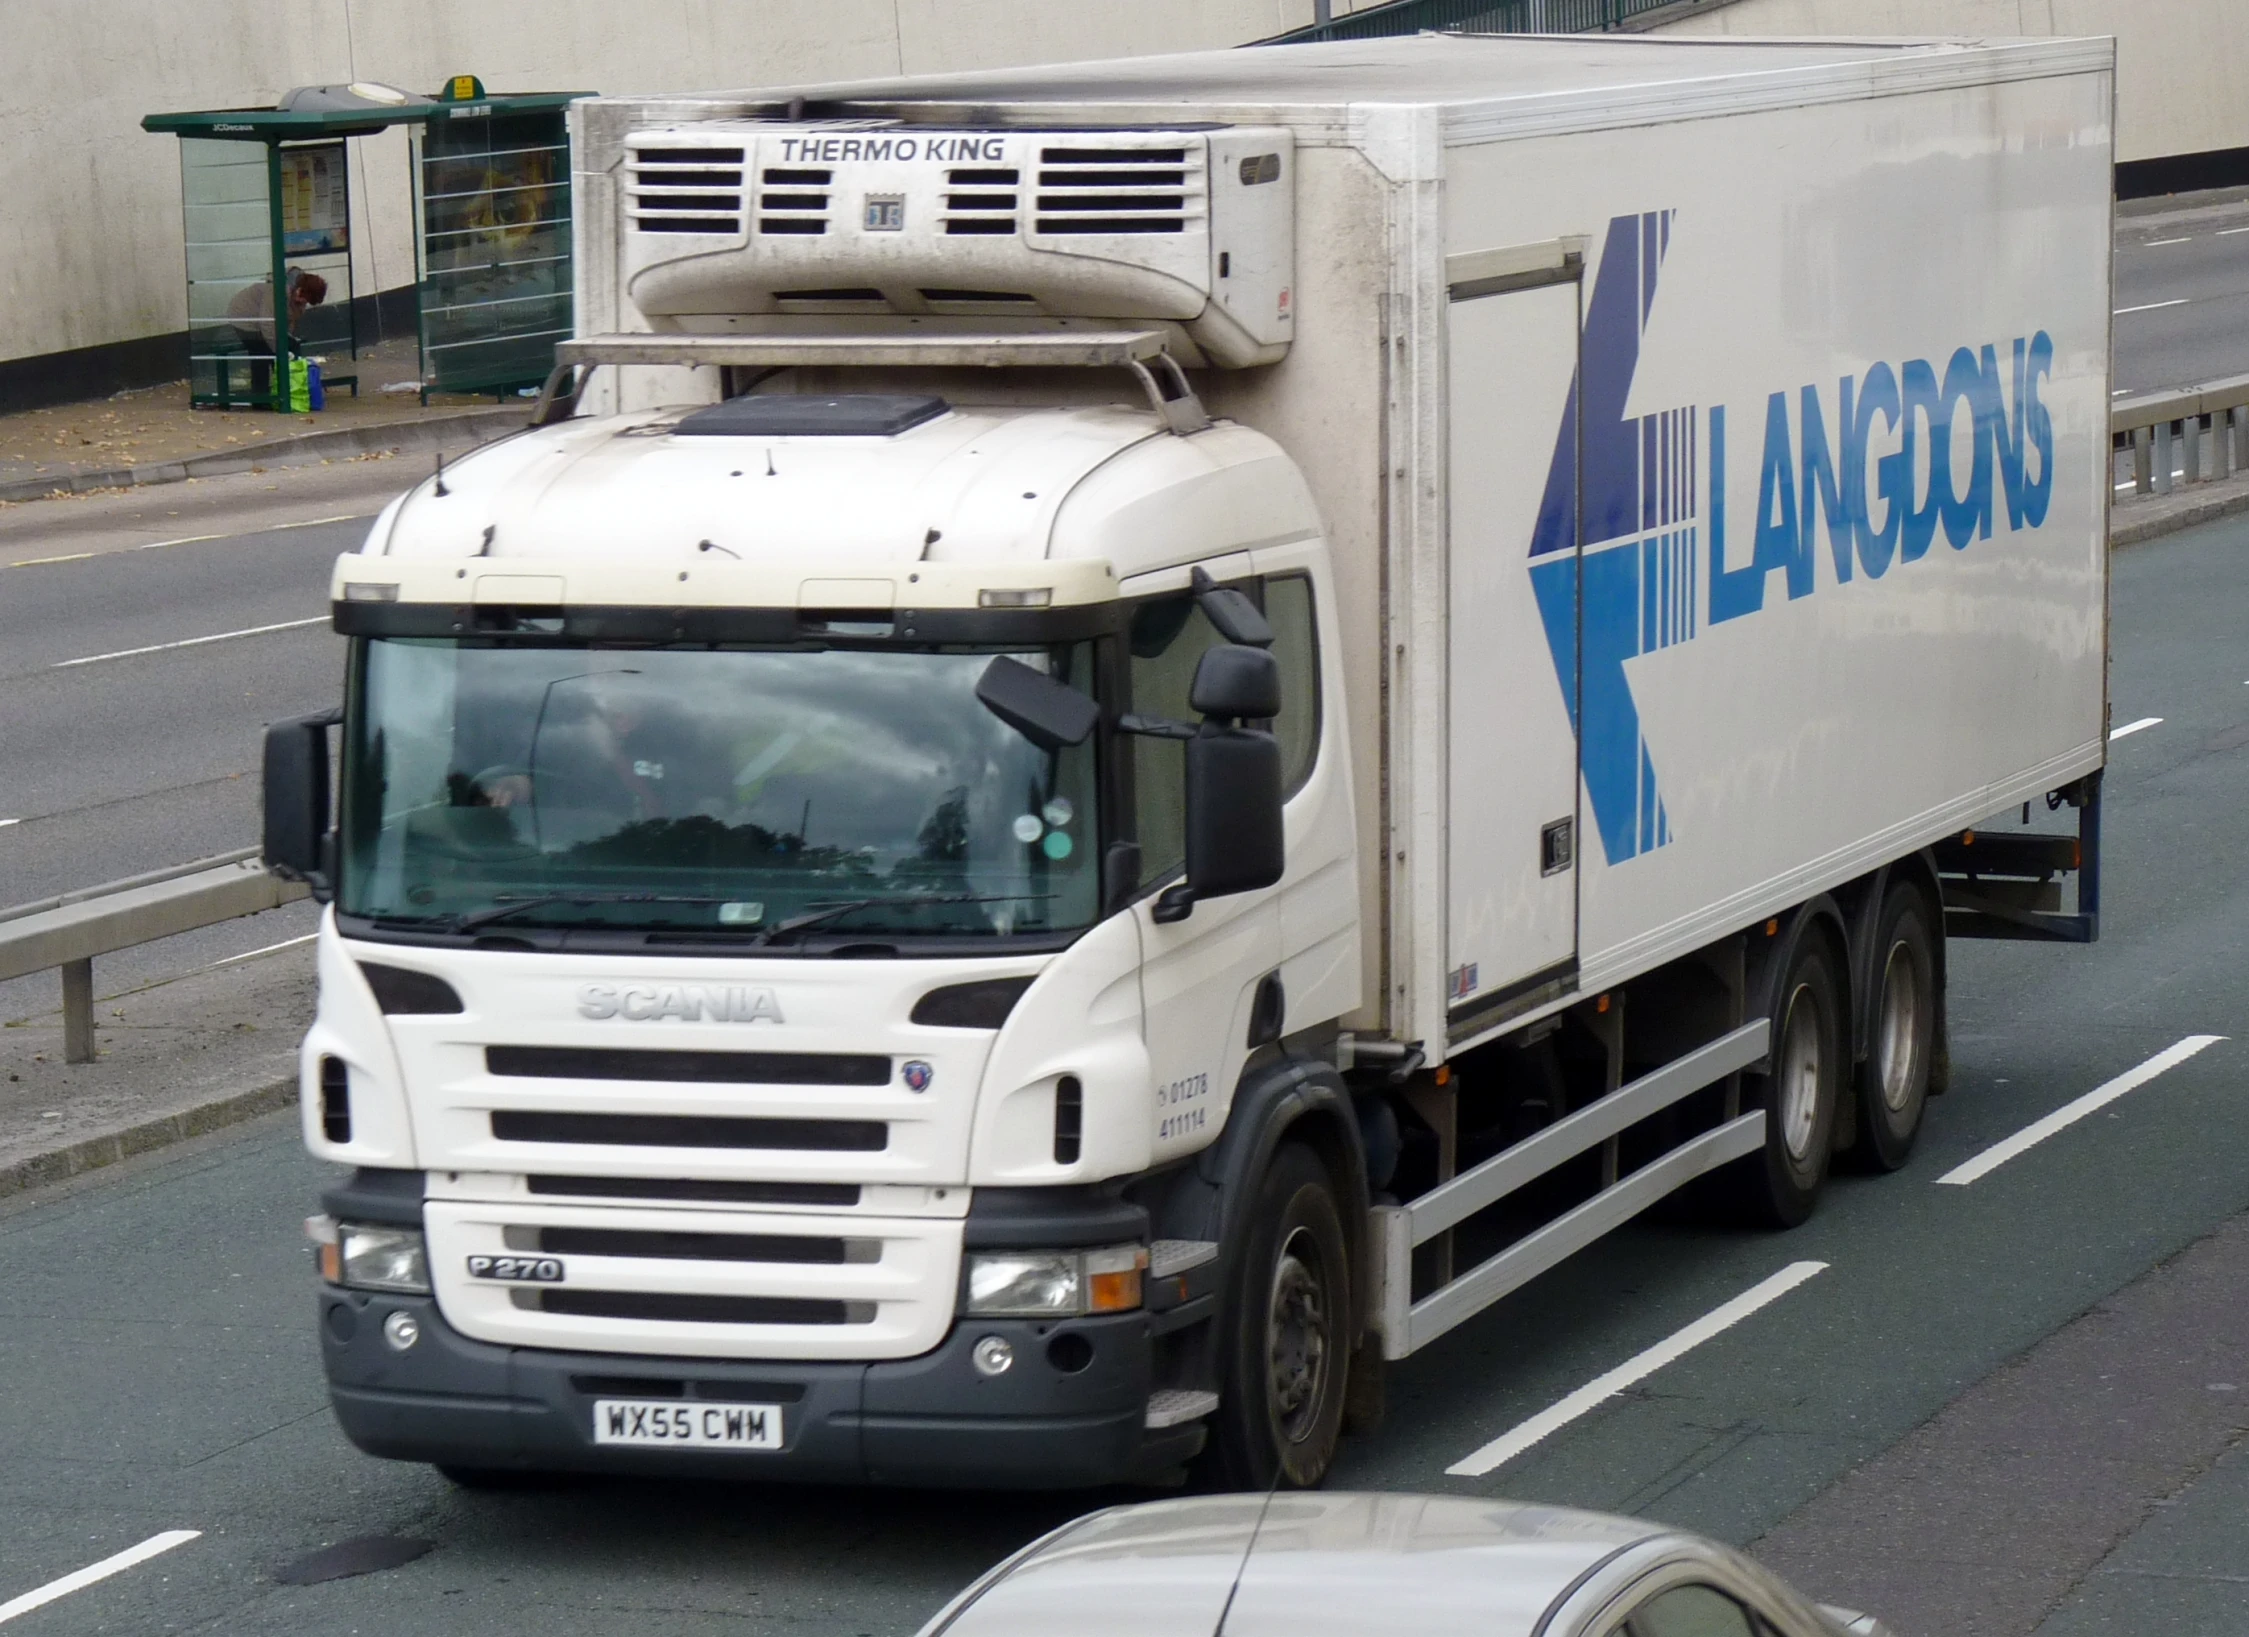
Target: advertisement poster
x=313, y=199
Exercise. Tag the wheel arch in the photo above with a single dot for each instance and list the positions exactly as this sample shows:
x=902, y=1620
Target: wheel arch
x=1279, y=1099
x=1820, y=917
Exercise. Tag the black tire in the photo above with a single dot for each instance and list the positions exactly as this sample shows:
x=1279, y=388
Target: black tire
x=1287, y=1339
x=1780, y=1185
x=1893, y=1081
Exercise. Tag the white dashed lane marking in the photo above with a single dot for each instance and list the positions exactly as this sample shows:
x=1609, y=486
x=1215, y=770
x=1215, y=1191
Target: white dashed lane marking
x=78, y=1580
x=2030, y=1136
x=1638, y=1368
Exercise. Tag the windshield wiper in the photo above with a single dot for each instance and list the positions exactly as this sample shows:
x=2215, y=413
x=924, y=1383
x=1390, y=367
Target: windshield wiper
x=834, y=912
x=485, y=917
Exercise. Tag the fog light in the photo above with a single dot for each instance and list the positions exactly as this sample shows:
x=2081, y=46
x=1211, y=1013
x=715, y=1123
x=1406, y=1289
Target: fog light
x=994, y=1355
x=402, y=1330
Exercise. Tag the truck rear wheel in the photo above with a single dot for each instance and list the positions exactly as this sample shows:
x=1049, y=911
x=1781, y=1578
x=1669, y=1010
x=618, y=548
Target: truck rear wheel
x=1893, y=1082
x=1289, y=1337
x=1800, y=1094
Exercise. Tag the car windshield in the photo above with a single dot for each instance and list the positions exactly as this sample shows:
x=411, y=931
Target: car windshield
x=755, y=794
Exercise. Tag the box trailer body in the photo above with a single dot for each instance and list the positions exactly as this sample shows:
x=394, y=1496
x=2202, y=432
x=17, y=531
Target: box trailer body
x=1674, y=479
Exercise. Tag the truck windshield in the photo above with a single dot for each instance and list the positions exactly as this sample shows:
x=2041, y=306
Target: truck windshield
x=729, y=791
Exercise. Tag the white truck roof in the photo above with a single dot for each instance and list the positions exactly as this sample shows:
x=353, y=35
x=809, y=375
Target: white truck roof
x=1522, y=81
x=970, y=484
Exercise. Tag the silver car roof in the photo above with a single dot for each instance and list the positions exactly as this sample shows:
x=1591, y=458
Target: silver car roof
x=1324, y=1563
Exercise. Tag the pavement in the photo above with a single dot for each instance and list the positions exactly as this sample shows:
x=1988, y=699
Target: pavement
x=1959, y=1527
x=176, y=1057
x=2136, y=518
x=153, y=435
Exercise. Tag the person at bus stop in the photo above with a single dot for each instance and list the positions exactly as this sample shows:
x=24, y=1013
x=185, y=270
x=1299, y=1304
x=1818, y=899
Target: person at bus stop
x=251, y=315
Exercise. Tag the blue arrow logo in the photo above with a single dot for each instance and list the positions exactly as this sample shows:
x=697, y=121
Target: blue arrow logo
x=1636, y=569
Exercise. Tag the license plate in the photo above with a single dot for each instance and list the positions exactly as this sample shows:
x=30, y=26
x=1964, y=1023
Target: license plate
x=666, y=1423
x=517, y=1270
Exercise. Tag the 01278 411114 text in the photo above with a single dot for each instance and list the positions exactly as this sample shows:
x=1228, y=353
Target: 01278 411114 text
x=1182, y=1106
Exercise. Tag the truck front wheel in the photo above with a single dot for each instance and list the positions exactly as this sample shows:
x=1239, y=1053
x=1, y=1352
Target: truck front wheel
x=1289, y=1335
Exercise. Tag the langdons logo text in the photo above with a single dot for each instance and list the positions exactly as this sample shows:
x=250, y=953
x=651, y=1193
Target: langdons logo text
x=688, y=1002
x=1803, y=475
x=1876, y=462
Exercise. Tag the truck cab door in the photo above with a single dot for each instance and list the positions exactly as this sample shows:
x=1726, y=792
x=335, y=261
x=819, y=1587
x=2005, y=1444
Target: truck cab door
x=1513, y=824
x=1200, y=976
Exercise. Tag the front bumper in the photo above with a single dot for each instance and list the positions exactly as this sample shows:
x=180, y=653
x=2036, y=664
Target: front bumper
x=930, y=1421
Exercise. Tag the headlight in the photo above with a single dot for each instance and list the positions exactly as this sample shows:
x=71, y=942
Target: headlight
x=1055, y=1284
x=369, y=1258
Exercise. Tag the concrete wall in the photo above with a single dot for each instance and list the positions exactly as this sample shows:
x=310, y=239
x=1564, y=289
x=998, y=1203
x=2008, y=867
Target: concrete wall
x=90, y=251
x=2182, y=66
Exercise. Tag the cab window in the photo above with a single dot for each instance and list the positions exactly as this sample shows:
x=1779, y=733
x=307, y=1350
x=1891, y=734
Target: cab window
x=1296, y=645
x=1169, y=635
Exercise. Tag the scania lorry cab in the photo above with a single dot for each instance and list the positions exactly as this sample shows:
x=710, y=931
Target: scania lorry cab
x=1097, y=765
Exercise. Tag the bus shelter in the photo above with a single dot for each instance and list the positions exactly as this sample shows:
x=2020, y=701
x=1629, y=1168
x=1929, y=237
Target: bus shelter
x=265, y=198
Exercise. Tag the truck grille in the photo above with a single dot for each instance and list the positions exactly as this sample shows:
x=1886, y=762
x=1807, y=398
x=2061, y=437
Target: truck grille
x=1116, y=190
x=793, y=200
x=690, y=1131
x=661, y=1305
x=699, y=1068
x=686, y=190
x=696, y=1190
x=695, y=1247
x=666, y=1281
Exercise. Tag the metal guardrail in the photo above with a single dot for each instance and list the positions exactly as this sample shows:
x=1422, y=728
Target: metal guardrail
x=2159, y=427
x=1474, y=17
x=69, y=930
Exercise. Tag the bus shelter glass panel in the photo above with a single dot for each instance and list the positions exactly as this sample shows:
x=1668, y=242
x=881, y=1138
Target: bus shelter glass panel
x=315, y=209
x=228, y=216
x=495, y=249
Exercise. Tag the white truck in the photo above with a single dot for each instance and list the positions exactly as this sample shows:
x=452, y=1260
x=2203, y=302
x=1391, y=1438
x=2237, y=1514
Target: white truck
x=1130, y=736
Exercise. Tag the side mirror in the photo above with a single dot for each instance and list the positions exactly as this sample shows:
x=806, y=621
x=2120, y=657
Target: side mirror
x=1229, y=609
x=1234, y=830
x=296, y=799
x=1050, y=714
x=1237, y=683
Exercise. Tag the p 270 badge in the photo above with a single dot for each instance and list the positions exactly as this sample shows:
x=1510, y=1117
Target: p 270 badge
x=518, y=1270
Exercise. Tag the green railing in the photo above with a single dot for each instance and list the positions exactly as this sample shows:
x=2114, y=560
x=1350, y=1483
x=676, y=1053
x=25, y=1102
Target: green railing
x=1475, y=17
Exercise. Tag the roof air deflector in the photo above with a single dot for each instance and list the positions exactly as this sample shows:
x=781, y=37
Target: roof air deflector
x=805, y=415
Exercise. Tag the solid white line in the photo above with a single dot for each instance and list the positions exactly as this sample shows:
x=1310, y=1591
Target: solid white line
x=253, y=954
x=2176, y=301
x=2030, y=1136
x=2115, y=734
x=273, y=528
x=1598, y=1391
x=190, y=642
x=154, y=1546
